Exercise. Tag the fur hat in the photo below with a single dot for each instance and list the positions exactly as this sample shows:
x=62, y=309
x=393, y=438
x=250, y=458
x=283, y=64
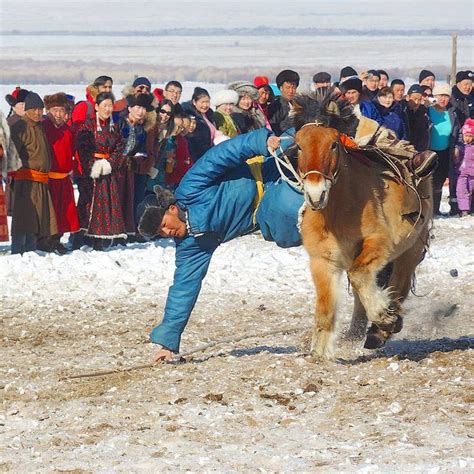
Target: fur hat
x=468, y=126
x=56, y=100
x=287, y=75
x=226, y=96
x=244, y=88
x=142, y=81
x=442, y=89
x=17, y=96
x=151, y=210
x=142, y=100
x=261, y=81
x=354, y=83
x=33, y=101
x=347, y=71
x=424, y=73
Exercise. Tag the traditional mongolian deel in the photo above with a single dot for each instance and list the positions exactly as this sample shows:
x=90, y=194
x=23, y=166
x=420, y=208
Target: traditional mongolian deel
x=60, y=184
x=99, y=207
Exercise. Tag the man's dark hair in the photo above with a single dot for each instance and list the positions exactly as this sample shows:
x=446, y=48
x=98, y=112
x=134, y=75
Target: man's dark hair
x=396, y=82
x=175, y=84
x=101, y=80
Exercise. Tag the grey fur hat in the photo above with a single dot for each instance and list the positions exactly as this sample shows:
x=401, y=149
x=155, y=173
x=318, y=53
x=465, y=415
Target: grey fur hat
x=244, y=88
x=151, y=210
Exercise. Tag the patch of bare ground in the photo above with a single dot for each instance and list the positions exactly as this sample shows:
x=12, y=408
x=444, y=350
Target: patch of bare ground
x=258, y=403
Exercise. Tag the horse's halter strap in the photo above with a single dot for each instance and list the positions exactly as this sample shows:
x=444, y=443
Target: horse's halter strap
x=332, y=179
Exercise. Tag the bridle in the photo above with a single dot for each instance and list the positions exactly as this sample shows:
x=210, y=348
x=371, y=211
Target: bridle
x=298, y=182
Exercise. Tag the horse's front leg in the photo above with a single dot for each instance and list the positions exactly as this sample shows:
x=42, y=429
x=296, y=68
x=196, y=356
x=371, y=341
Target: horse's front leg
x=326, y=277
x=381, y=309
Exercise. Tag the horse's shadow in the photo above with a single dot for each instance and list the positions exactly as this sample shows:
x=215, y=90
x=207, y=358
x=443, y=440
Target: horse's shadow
x=414, y=350
x=403, y=349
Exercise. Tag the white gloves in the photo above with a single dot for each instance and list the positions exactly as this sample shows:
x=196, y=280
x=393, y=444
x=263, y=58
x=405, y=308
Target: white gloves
x=100, y=168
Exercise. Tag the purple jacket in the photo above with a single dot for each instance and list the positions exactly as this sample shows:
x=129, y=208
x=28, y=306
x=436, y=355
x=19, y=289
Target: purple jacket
x=466, y=159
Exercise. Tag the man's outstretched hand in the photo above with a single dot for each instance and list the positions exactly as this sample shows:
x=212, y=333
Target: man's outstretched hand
x=273, y=142
x=162, y=355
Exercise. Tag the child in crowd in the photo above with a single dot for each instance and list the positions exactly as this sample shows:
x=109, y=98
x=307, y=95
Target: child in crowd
x=464, y=159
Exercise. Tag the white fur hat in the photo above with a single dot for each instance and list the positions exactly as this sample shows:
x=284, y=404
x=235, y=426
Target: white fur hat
x=226, y=96
x=442, y=89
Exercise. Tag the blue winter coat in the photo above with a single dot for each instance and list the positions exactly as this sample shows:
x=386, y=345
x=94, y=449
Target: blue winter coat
x=391, y=118
x=217, y=195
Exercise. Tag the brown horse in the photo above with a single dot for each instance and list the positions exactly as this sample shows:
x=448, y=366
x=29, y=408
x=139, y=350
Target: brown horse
x=359, y=217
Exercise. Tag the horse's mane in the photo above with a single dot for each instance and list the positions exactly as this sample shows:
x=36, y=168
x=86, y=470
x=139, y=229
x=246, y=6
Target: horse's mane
x=326, y=107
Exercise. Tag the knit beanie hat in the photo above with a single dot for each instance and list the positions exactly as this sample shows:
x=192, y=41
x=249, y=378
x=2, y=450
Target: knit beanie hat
x=151, y=210
x=33, y=101
x=424, y=74
x=468, y=126
x=287, y=75
x=244, y=88
x=347, y=71
x=142, y=81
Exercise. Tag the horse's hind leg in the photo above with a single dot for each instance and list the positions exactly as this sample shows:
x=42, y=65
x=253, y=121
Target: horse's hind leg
x=326, y=278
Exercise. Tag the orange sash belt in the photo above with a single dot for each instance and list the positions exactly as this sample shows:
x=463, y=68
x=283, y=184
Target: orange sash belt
x=27, y=174
x=57, y=175
x=102, y=155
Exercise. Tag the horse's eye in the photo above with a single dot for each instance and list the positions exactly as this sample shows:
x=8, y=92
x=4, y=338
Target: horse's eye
x=334, y=146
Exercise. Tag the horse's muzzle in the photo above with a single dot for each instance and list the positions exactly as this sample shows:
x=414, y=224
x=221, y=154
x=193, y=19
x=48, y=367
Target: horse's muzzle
x=316, y=195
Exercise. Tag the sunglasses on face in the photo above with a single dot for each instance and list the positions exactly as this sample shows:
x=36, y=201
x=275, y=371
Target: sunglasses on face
x=163, y=111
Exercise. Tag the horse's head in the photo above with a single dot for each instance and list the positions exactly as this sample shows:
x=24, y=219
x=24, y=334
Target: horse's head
x=318, y=162
x=319, y=120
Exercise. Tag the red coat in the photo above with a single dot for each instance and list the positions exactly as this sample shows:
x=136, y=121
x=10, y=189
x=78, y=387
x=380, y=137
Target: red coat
x=60, y=188
x=183, y=162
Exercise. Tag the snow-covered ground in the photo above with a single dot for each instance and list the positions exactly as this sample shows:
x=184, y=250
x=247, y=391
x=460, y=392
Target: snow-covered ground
x=258, y=404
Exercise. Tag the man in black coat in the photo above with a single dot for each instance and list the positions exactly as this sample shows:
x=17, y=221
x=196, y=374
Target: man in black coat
x=416, y=118
x=287, y=81
x=462, y=98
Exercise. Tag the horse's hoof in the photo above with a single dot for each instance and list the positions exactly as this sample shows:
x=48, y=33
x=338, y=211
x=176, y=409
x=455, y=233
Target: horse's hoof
x=398, y=325
x=374, y=341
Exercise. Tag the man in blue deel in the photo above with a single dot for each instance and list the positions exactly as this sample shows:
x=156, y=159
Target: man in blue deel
x=231, y=191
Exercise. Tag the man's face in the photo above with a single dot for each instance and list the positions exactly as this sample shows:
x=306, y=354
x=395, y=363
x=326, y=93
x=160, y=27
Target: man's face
x=141, y=89
x=319, y=85
x=383, y=81
x=465, y=86
x=107, y=87
x=372, y=83
x=428, y=81
x=263, y=95
x=57, y=115
x=352, y=96
x=34, y=114
x=172, y=225
x=398, y=92
x=414, y=100
x=288, y=90
x=172, y=93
